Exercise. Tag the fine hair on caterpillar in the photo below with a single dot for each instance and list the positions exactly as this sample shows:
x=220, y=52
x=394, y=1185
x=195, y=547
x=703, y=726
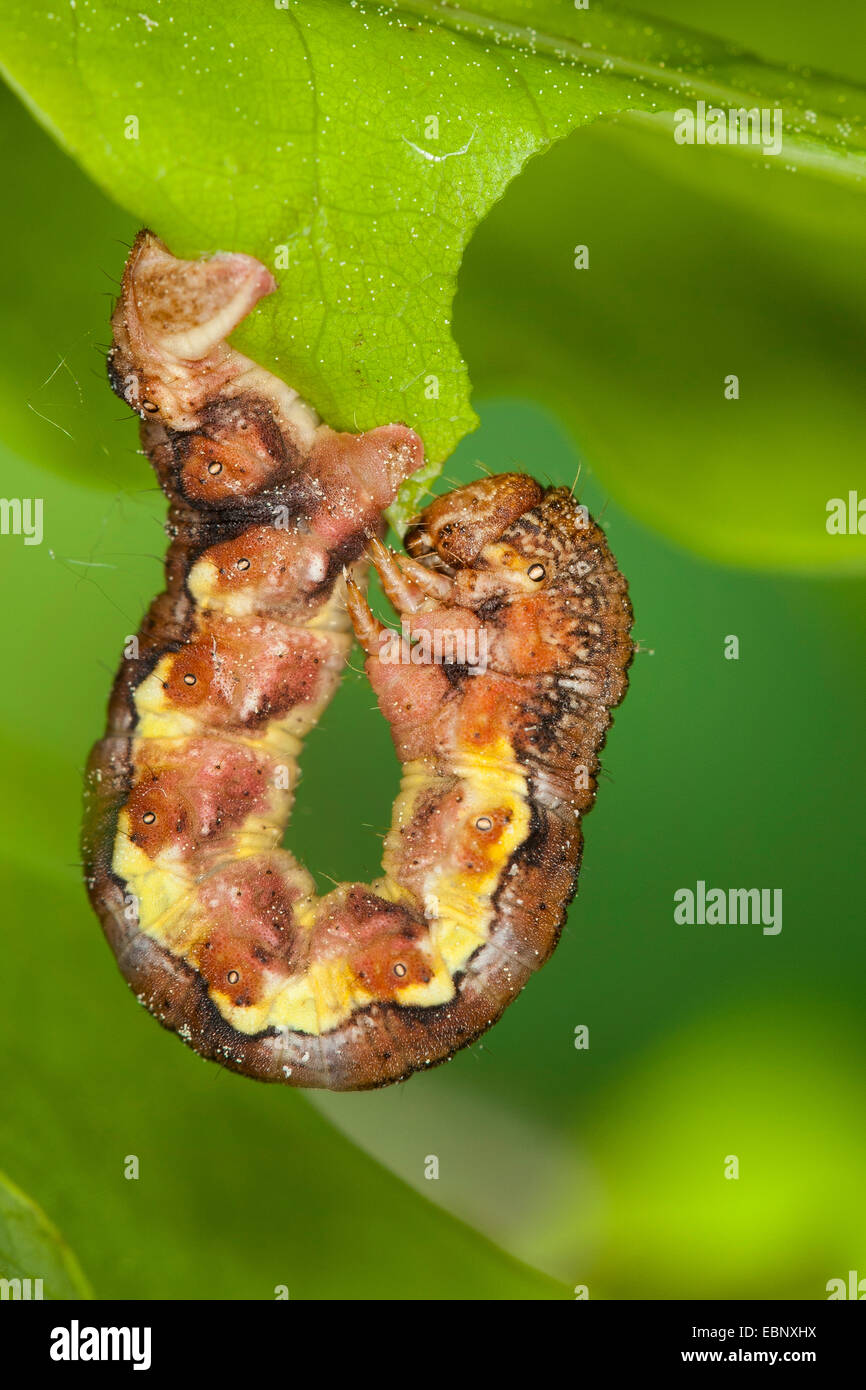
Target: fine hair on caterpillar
x=512, y=650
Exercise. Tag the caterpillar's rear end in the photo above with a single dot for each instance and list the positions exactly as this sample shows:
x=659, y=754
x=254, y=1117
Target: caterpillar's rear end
x=513, y=650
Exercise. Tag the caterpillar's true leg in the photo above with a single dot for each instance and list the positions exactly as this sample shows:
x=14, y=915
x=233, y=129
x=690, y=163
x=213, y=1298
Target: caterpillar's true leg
x=409, y=695
x=367, y=627
x=403, y=594
x=434, y=585
x=408, y=592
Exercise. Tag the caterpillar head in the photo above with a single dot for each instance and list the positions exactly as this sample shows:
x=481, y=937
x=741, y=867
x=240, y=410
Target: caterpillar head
x=454, y=530
x=505, y=536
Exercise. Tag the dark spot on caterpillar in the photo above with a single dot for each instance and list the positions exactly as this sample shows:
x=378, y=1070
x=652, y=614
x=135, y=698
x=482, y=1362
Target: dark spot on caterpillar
x=489, y=609
x=253, y=664
x=456, y=672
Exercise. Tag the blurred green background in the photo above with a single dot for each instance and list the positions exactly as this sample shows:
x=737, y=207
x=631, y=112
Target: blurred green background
x=557, y=1167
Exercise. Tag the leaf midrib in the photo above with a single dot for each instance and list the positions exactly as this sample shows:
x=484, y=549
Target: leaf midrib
x=681, y=79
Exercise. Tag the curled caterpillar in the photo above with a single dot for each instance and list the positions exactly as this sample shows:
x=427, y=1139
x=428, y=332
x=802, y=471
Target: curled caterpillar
x=273, y=519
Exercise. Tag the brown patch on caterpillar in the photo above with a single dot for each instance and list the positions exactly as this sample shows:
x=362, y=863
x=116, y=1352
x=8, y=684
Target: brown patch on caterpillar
x=220, y=935
x=191, y=793
x=389, y=965
x=379, y=940
x=245, y=931
x=440, y=834
x=238, y=465
x=240, y=672
x=275, y=564
x=479, y=840
x=193, y=677
x=490, y=709
x=213, y=470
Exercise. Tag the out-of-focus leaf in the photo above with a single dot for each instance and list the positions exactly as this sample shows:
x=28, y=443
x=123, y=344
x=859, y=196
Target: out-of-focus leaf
x=734, y=1160
x=60, y=254
x=33, y=1255
x=700, y=266
x=239, y=1190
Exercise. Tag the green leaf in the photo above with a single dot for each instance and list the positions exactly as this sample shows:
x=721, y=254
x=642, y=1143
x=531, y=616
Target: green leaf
x=711, y=1169
x=31, y=1249
x=364, y=144
x=241, y=1190
x=57, y=284
x=700, y=266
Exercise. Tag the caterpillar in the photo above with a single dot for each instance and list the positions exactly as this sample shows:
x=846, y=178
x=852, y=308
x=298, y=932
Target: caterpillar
x=273, y=520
